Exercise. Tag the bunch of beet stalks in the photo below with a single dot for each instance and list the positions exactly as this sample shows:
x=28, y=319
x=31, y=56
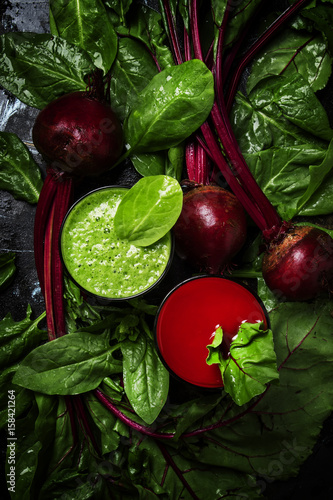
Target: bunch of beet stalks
x=79, y=135
x=298, y=261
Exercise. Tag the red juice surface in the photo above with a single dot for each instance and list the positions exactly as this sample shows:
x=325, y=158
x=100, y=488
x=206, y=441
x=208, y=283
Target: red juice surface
x=189, y=317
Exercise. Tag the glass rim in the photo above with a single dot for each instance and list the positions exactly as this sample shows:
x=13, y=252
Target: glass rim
x=96, y=296
x=166, y=298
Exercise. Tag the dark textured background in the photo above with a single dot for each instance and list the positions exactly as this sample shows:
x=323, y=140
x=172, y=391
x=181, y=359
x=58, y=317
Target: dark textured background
x=315, y=480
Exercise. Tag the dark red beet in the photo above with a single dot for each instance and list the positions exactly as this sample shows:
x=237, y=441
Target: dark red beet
x=79, y=134
x=211, y=228
x=300, y=267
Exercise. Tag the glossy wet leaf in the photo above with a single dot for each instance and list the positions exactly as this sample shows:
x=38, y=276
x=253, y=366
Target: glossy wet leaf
x=145, y=25
x=72, y=364
x=168, y=162
x=172, y=106
x=272, y=437
x=149, y=210
x=297, y=52
x=85, y=23
x=251, y=364
x=19, y=173
x=146, y=380
x=131, y=72
x=18, y=338
x=37, y=68
x=7, y=269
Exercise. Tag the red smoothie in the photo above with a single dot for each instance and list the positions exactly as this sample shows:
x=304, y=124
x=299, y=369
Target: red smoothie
x=187, y=321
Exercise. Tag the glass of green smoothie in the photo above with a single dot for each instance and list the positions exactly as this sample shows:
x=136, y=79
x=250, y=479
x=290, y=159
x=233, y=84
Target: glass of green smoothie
x=101, y=264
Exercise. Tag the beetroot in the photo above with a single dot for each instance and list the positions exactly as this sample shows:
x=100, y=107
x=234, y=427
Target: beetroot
x=300, y=267
x=211, y=228
x=79, y=134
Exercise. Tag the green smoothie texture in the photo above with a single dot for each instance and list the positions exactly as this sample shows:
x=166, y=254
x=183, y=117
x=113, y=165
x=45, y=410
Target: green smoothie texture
x=98, y=260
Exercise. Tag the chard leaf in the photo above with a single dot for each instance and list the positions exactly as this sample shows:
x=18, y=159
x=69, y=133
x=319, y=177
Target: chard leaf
x=7, y=269
x=272, y=437
x=148, y=210
x=296, y=52
x=172, y=106
x=321, y=202
x=68, y=365
x=251, y=364
x=146, y=380
x=292, y=99
x=317, y=175
x=286, y=175
x=37, y=68
x=19, y=173
x=322, y=17
x=85, y=24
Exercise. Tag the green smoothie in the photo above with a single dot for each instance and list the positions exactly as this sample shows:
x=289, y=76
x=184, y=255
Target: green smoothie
x=97, y=260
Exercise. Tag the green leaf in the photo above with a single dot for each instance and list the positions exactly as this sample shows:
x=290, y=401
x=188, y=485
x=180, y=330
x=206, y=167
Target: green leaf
x=84, y=23
x=37, y=68
x=172, y=106
x=146, y=380
x=251, y=364
x=322, y=17
x=19, y=173
x=26, y=452
x=168, y=162
x=148, y=210
x=131, y=72
x=19, y=338
x=104, y=421
x=318, y=174
x=71, y=364
x=145, y=24
x=296, y=52
x=120, y=7
x=7, y=269
x=283, y=174
x=274, y=437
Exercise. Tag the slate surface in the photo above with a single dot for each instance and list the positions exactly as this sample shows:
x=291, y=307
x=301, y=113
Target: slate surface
x=315, y=480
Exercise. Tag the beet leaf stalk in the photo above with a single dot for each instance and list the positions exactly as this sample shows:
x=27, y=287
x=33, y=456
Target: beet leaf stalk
x=285, y=273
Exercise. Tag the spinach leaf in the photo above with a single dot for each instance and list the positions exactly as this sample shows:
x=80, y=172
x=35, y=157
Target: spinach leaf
x=131, y=72
x=72, y=364
x=149, y=210
x=105, y=422
x=146, y=380
x=7, y=269
x=26, y=454
x=38, y=68
x=145, y=25
x=172, y=106
x=18, y=338
x=85, y=23
x=19, y=173
x=23, y=397
x=251, y=364
x=168, y=162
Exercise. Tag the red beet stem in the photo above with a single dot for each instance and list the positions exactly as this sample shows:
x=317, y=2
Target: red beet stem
x=48, y=285
x=44, y=204
x=62, y=202
x=259, y=43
